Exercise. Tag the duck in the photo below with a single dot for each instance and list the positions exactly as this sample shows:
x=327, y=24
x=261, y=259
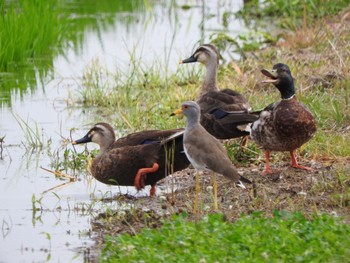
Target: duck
x=138, y=159
x=205, y=152
x=284, y=125
x=224, y=113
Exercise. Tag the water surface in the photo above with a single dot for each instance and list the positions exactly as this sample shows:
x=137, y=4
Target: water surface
x=58, y=229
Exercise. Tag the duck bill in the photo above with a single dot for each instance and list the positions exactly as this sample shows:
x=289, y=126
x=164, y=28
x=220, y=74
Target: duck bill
x=176, y=112
x=271, y=74
x=191, y=59
x=85, y=139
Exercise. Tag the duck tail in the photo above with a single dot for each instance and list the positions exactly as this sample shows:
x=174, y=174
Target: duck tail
x=245, y=180
x=245, y=127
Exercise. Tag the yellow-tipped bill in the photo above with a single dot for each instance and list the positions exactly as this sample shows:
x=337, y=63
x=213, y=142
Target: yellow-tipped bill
x=177, y=112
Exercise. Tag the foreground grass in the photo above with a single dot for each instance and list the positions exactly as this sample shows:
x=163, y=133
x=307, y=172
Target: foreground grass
x=287, y=237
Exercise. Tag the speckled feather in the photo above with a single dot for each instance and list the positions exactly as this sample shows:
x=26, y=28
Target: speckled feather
x=287, y=124
x=284, y=126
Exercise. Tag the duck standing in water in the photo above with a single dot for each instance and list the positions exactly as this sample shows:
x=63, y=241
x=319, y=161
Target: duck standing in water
x=205, y=152
x=286, y=124
x=223, y=112
x=138, y=159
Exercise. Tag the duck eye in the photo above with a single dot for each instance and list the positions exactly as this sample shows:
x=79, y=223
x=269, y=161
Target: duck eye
x=185, y=106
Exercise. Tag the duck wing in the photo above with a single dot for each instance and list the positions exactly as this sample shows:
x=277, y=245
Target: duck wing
x=145, y=137
x=227, y=99
x=227, y=124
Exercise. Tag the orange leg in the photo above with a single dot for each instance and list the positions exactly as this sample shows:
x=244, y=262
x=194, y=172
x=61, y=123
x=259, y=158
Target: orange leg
x=140, y=176
x=268, y=169
x=295, y=162
x=152, y=192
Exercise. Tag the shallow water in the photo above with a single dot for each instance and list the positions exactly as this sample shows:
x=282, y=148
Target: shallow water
x=59, y=229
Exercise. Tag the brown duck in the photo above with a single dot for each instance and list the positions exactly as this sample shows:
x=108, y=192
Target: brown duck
x=223, y=112
x=138, y=159
x=286, y=124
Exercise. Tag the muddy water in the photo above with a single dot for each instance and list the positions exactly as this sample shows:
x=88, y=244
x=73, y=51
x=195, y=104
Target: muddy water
x=57, y=229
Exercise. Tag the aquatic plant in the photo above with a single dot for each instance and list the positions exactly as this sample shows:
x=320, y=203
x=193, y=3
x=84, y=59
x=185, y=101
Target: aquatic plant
x=1, y=145
x=28, y=29
x=34, y=138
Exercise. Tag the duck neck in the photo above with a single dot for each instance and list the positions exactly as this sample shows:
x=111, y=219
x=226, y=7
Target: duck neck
x=105, y=145
x=103, y=148
x=287, y=89
x=209, y=83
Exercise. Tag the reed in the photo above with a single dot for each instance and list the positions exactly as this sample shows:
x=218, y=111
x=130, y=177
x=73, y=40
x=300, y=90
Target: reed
x=29, y=29
x=34, y=138
x=139, y=98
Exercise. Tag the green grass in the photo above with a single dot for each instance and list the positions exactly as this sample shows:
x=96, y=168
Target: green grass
x=287, y=237
x=144, y=89
x=32, y=29
x=29, y=29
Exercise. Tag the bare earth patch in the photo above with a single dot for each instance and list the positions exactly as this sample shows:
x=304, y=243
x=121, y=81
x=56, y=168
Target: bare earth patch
x=325, y=190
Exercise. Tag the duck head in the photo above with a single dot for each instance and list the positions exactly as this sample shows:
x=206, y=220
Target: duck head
x=281, y=77
x=102, y=133
x=205, y=54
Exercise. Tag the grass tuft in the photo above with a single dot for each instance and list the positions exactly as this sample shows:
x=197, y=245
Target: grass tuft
x=34, y=139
